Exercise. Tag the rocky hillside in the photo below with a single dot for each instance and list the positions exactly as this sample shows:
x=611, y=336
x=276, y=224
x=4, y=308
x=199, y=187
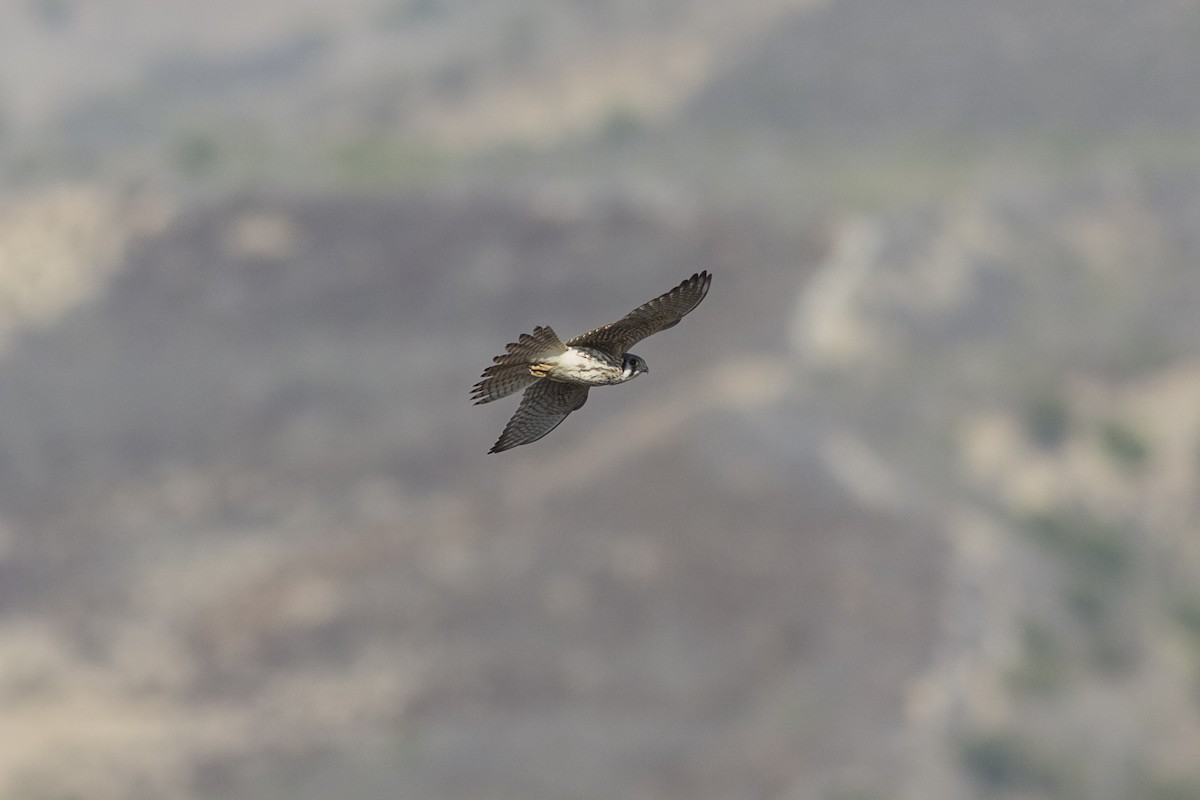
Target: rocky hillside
x=906, y=509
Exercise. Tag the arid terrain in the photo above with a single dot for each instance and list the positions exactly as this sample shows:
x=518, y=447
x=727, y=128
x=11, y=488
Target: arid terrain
x=908, y=509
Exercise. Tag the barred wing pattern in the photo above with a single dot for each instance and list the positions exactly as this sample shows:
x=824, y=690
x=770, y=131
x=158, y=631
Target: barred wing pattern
x=510, y=372
x=647, y=319
x=544, y=405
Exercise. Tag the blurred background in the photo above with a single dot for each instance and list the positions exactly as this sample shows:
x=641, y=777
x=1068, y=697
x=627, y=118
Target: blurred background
x=908, y=508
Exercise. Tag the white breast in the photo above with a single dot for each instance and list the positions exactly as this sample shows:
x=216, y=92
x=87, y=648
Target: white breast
x=580, y=366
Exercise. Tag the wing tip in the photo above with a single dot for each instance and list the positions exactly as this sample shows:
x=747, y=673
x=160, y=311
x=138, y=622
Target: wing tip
x=500, y=446
x=699, y=280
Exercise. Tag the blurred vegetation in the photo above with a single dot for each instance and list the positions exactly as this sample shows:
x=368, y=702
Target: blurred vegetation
x=1187, y=615
x=379, y=161
x=1044, y=668
x=1084, y=543
x=1125, y=446
x=197, y=154
x=1048, y=421
x=622, y=123
x=1114, y=650
x=1006, y=761
x=1098, y=564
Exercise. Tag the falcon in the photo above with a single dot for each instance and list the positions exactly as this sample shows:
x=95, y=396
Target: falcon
x=556, y=375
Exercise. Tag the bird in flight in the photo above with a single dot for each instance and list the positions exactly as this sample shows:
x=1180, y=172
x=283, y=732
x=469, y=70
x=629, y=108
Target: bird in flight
x=556, y=375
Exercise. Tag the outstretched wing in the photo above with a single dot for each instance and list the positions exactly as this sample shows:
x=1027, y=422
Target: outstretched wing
x=543, y=406
x=659, y=314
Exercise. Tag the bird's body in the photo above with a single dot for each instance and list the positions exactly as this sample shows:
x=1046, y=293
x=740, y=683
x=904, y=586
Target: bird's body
x=587, y=366
x=556, y=375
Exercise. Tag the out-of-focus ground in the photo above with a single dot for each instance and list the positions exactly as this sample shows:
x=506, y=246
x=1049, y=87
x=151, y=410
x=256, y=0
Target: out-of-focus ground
x=909, y=508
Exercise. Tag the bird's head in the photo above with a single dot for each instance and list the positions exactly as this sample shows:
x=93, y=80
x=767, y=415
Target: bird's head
x=632, y=366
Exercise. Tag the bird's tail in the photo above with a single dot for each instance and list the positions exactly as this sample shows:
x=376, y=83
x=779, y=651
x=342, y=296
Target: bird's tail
x=510, y=372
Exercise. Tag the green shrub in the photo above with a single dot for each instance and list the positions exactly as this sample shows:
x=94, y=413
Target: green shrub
x=1043, y=669
x=1125, y=446
x=1005, y=761
x=1083, y=542
x=1048, y=421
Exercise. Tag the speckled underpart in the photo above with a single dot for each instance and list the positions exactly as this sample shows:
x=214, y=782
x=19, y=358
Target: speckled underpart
x=583, y=365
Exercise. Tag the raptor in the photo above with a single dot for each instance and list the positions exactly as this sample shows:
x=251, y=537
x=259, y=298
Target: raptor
x=557, y=375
